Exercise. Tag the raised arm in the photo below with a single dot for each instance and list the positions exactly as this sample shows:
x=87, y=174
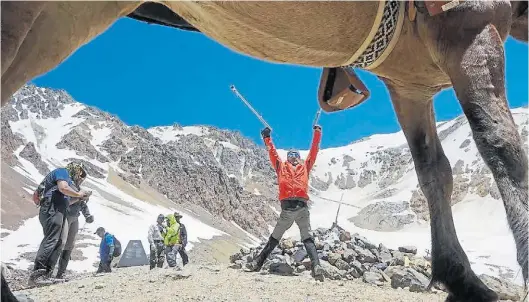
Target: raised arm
x=314, y=147
x=275, y=160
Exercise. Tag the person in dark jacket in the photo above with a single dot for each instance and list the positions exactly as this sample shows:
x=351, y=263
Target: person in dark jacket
x=52, y=215
x=106, y=250
x=183, y=239
x=70, y=229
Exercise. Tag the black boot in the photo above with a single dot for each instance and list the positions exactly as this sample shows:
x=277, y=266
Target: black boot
x=63, y=263
x=317, y=270
x=258, y=262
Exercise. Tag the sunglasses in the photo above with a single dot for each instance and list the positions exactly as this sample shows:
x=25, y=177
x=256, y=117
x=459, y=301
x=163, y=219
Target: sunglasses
x=293, y=154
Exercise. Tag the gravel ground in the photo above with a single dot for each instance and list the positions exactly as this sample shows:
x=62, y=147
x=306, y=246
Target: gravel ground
x=217, y=283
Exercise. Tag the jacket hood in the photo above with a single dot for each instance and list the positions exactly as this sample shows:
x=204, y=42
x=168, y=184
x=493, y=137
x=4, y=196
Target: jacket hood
x=172, y=220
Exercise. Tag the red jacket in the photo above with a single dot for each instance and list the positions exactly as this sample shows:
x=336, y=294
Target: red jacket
x=293, y=180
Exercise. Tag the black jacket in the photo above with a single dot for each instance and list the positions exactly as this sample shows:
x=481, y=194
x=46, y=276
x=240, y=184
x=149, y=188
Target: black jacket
x=183, y=234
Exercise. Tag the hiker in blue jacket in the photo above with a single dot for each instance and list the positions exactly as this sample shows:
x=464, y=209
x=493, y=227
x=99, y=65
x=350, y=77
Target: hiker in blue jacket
x=106, y=250
x=54, y=200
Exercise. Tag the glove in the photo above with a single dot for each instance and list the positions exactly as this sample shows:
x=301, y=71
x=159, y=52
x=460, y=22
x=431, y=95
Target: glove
x=153, y=247
x=89, y=219
x=317, y=127
x=266, y=132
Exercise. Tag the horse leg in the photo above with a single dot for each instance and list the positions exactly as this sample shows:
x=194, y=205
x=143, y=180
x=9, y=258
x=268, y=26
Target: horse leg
x=59, y=30
x=450, y=265
x=17, y=18
x=474, y=60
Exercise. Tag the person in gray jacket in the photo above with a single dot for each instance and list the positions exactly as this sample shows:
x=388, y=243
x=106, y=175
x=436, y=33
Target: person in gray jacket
x=70, y=229
x=157, y=247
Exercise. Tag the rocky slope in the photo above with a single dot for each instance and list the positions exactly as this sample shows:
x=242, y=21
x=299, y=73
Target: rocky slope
x=229, y=175
x=217, y=170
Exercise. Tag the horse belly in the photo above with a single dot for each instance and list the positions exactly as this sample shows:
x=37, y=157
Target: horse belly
x=306, y=33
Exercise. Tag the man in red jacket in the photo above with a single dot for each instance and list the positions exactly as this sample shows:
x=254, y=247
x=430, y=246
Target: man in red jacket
x=293, y=178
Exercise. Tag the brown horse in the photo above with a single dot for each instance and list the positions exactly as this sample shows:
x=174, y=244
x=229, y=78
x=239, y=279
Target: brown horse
x=417, y=48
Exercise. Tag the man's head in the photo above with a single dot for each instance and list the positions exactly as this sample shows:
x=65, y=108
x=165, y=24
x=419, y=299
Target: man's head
x=293, y=157
x=100, y=232
x=160, y=219
x=77, y=172
x=177, y=216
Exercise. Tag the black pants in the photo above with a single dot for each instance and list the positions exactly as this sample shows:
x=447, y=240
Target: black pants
x=52, y=222
x=104, y=267
x=183, y=254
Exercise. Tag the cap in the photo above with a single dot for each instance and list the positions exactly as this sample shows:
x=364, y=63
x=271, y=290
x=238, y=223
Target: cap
x=99, y=229
x=177, y=215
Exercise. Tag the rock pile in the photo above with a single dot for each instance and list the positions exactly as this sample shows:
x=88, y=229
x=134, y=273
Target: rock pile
x=346, y=256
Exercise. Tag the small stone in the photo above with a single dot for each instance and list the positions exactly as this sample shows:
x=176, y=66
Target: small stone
x=353, y=271
x=358, y=266
x=286, y=243
x=319, y=245
x=281, y=268
x=333, y=257
x=408, y=249
x=345, y=236
x=349, y=255
x=299, y=255
x=300, y=269
x=373, y=278
x=99, y=286
x=365, y=255
x=342, y=265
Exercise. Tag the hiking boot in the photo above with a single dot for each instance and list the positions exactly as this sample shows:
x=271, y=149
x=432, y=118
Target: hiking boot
x=40, y=277
x=317, y=270
x=258, y=262
x=317, y=273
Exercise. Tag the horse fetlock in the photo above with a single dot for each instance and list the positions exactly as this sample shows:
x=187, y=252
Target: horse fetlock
x=522, y=257
x=452, y=269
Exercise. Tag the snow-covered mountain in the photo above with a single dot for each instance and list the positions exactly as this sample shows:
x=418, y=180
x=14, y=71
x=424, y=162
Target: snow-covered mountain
x=224, y=185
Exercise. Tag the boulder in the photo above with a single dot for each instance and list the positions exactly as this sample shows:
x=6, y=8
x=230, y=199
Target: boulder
x=373, y=278
x=408, y=249
x=408, y=277
x=505, y=289
x=333, y=257
x=281, y=269
x=342, y=265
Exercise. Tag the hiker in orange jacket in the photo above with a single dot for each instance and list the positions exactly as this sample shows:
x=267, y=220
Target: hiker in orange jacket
x=293, y=178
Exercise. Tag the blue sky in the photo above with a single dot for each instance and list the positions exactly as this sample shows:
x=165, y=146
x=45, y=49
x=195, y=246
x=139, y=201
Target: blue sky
x=150, y=75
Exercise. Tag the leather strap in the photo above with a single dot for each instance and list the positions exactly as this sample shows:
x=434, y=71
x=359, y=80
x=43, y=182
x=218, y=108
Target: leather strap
x=437, y=7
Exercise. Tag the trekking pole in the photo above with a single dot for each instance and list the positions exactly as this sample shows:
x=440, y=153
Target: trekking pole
x=232, y=87
x=316, y=118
